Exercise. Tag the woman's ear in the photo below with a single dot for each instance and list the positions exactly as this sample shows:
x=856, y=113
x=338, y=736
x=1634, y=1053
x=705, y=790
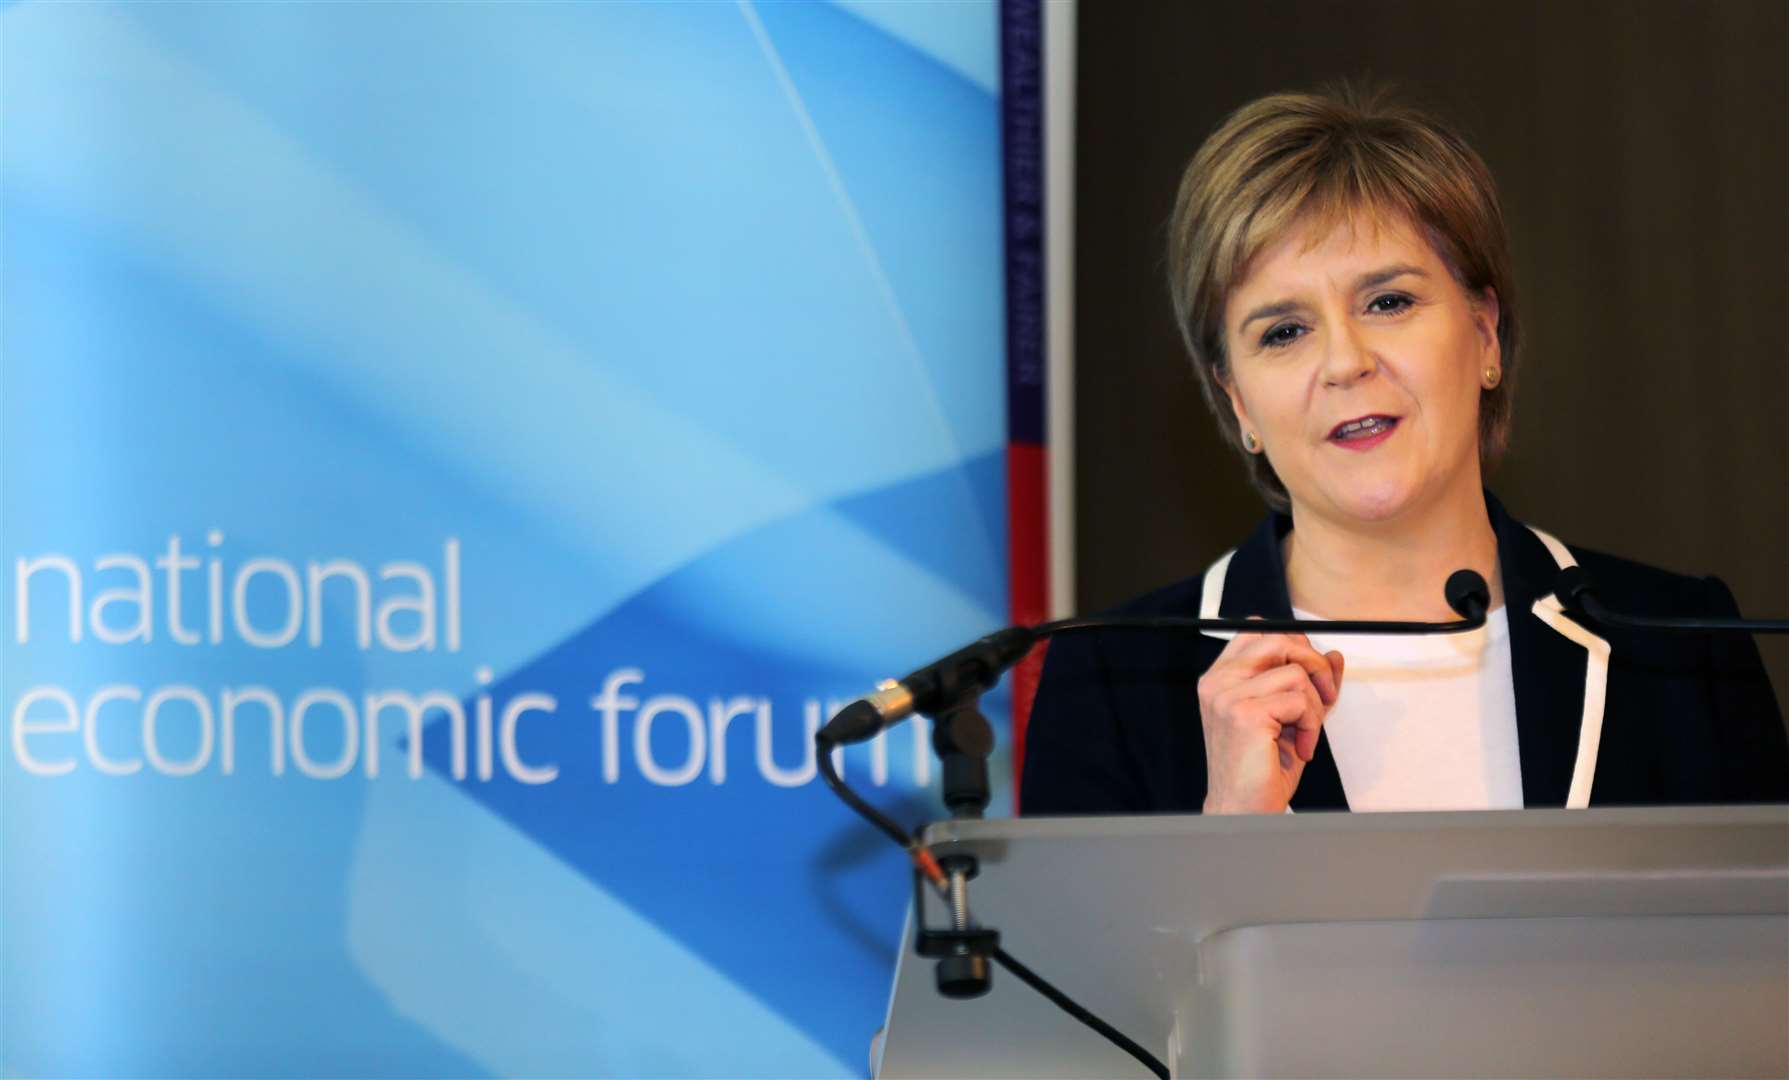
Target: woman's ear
x=1487, y=310
x=1236, y=406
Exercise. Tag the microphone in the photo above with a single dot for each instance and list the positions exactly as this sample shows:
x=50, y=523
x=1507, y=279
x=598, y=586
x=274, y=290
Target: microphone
x=1468, y=594
x=935, y=686
x=1572, y=587
x=1578, y=595
x=979, y=666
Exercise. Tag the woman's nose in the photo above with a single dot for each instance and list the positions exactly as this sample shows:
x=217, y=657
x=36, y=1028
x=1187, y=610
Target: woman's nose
x=1349, y=357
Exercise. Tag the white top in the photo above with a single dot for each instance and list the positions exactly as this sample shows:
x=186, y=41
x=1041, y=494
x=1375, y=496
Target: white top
x=1426, y=722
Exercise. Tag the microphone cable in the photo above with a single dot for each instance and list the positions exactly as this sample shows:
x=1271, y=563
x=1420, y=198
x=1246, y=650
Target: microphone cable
x=1070, y=1006
x=918, y=852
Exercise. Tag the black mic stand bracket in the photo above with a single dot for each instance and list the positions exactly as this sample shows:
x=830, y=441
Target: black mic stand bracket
x=963, y=739
x=962, y=949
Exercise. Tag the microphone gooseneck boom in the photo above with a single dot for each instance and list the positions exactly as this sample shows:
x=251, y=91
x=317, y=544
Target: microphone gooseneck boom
x=978, y=666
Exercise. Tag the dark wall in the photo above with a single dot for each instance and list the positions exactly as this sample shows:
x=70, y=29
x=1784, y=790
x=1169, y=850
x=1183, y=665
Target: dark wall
x=1643, y=154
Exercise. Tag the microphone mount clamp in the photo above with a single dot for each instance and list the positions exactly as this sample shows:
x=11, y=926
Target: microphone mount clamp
x=962, y=949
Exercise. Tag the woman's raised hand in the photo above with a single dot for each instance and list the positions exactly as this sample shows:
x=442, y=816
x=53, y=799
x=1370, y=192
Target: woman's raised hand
x=1262, y=703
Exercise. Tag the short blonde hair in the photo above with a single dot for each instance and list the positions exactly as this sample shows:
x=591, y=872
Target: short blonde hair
x=1325, y=159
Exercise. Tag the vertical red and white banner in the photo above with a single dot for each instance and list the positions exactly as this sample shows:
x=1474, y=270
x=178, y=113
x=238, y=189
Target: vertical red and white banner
x=1037, y=140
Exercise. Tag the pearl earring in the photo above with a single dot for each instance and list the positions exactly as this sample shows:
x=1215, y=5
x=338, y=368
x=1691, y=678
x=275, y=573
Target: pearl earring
x=1492, y=377
x=1250, y=443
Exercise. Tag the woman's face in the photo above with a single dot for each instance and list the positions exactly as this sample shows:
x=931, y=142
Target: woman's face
x=1357, y=361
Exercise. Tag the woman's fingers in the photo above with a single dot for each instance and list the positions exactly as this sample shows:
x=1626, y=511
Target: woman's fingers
x=1290, y=752
x=1277, y=702
x=1304, y=724
x=1253, y=653
x=1306, y=741
x=1286, y=677
x=1289, y=708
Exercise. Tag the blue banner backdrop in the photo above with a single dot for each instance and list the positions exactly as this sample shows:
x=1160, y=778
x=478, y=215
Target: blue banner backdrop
x=454, y=455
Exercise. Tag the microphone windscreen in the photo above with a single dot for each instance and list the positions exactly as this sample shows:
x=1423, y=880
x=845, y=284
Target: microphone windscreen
x=1570, y=586
x=1468, y=594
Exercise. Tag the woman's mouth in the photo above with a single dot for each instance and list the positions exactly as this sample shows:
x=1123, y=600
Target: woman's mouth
x=1364, y=432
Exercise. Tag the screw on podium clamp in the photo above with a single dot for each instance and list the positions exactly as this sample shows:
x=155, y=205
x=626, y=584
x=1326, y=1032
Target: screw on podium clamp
x=961, y=951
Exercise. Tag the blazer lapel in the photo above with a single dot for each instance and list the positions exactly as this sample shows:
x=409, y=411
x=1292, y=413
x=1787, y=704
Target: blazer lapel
x=1255, y=584
x=1560, y=669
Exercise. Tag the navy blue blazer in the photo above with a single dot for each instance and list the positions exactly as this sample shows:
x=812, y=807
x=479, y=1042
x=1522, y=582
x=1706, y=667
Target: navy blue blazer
x=1603, y=717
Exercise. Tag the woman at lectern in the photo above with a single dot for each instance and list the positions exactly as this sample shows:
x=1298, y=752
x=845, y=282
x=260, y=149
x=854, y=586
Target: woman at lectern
x=1341, y=277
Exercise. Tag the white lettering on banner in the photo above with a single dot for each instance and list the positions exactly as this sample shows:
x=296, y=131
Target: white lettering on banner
x=276, y=725
x=90, y=730
x=21, y=591
x=355, y=575
x=328, y=733
x=609, y=704
x=698, y=738
x=492, y=750
x=141, y=628
x=239, y=603
x=710, y=740
x=174, y=563
x=423, y=604
x=350, y=734
x=214, y=593
x=807, y=770
x=720, y=715
x=450, y=559
x=481, y=715
x=23, y=726
x=151, y=745
x=413, y=708
x=512, y=760
x=406, y=618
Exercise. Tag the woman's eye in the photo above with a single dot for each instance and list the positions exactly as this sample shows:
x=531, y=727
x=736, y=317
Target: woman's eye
x=1389, y=304
x=1282, y=335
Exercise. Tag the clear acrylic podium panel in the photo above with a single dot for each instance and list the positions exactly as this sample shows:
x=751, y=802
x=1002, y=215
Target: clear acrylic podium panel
x=1644, y=942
